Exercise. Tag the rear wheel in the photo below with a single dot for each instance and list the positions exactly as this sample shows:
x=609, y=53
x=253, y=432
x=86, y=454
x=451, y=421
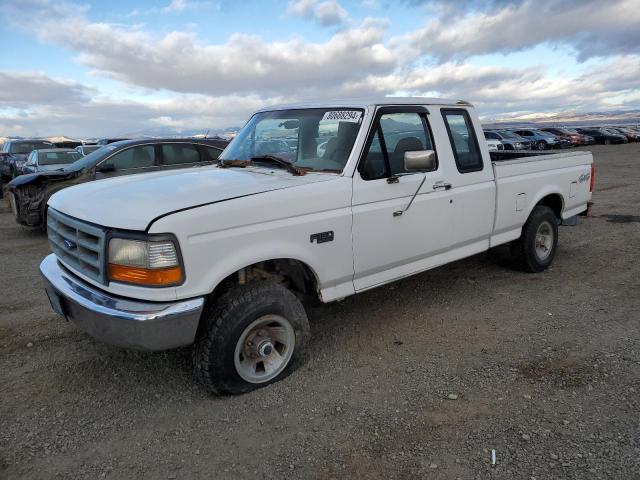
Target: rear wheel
x=253, y=335
x=536, y=248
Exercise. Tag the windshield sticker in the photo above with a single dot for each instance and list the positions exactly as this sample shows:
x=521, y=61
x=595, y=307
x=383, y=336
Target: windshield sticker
x=343, y=115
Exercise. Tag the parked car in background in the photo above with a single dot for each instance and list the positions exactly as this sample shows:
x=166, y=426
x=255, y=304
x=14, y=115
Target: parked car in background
x=572, y=137
x=28, y=194
x=603, y=136
x=509, y=140
x=87, y=149
x=46, y=160
x=494, y=145
x=107, y=141
x=541, y=140
x=632, y=135
x=14, y=155
x=67, y=144
x=584, y=139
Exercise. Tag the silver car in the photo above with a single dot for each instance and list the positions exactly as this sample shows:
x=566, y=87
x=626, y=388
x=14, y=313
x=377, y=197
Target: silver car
x=50, y=159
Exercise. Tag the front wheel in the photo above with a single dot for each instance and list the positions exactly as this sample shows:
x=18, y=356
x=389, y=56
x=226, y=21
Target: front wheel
x=542, y=145
x=253, y=335
x=536, y=248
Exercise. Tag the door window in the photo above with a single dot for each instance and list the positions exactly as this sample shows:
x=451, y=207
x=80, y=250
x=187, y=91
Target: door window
x=135, y=157
x=179, y=153
x=463, y=141
x=396, y=134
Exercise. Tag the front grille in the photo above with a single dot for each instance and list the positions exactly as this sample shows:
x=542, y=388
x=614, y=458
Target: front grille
x=79, y=245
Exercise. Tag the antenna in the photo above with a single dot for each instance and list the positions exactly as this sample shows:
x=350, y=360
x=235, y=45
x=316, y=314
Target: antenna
x=206, y=135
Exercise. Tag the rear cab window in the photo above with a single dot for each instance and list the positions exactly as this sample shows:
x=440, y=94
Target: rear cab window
x=464, y=143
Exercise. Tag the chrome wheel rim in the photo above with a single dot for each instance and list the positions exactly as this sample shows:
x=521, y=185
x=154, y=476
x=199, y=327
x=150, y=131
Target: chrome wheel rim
x=264, y=349
x=544, y=240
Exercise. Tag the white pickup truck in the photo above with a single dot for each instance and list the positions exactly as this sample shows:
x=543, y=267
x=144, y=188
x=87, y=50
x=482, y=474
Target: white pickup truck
x=317, y=200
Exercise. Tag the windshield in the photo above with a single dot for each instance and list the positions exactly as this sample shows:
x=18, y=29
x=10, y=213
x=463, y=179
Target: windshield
x=92, y=159
x=27, y=147
x=87, y=149
x=54, y=158
x=508, y=134
x=316, y=138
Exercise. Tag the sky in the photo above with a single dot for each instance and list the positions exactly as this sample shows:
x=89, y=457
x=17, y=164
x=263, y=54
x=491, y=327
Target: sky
x=99, y=68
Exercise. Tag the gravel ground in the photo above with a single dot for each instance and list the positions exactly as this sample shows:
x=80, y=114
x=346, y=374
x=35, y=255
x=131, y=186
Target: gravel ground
x=419, y=379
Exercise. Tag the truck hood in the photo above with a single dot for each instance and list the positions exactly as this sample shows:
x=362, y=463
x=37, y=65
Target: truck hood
x=133, y=202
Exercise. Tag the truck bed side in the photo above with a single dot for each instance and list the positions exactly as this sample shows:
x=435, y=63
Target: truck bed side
x=522, y=183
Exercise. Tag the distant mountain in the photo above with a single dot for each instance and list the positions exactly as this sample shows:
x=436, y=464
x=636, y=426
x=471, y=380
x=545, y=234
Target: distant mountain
x=163, y=131
x=612, y=117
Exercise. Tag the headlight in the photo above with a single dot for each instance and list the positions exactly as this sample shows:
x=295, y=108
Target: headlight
x=153, y=263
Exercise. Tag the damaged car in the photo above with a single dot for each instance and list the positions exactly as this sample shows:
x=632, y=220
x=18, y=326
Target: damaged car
x=28, y=194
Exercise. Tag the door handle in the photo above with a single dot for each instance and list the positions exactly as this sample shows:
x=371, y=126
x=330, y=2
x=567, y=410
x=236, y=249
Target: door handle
x=441, y=185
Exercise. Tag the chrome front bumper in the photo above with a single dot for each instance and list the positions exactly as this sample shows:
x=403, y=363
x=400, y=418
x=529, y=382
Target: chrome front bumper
x=120, y=321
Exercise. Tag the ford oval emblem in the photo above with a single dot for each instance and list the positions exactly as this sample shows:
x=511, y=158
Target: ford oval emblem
x=69, y=245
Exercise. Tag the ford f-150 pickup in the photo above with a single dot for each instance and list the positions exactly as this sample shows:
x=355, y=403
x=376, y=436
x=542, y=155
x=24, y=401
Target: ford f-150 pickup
x=308, y=201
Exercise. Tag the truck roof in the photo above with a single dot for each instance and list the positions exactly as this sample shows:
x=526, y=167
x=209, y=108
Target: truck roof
x=368, y=102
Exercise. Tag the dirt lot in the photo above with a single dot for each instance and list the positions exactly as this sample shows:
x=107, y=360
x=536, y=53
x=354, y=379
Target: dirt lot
x=419, y=379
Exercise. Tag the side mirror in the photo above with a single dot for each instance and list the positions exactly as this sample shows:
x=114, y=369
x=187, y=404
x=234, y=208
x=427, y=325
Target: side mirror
x=106, y=168
x=420, y=161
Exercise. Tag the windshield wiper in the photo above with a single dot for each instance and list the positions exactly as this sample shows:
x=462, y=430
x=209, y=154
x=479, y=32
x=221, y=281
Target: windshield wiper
x=280, y=162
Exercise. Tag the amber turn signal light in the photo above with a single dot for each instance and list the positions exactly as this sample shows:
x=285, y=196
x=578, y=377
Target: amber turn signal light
x=157, y=277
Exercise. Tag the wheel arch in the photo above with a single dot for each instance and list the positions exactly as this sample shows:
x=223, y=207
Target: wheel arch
x=552, y=199
x=295, y=273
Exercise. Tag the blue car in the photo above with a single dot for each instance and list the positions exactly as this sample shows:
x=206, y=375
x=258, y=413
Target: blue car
x=541, y=140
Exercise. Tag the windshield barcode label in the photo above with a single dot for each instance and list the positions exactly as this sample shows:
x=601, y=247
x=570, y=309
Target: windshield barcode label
x=342, y=115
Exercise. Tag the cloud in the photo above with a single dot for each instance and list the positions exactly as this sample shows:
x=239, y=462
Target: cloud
x=210, y=85
x=501, y=89
x=326, y=13
x=26, y=88
x=244, y=64
x=176, y=6
x=592, y=28
x=47, y=113
x=63, y=107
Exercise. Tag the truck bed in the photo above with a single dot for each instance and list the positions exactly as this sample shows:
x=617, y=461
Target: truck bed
x=522, y=182
x=505, y=155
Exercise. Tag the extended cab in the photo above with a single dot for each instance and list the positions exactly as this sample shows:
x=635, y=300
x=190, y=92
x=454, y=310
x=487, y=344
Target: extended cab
x=317, y=200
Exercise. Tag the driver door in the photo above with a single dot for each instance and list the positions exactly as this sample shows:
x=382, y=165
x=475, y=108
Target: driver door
x=388, y=244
